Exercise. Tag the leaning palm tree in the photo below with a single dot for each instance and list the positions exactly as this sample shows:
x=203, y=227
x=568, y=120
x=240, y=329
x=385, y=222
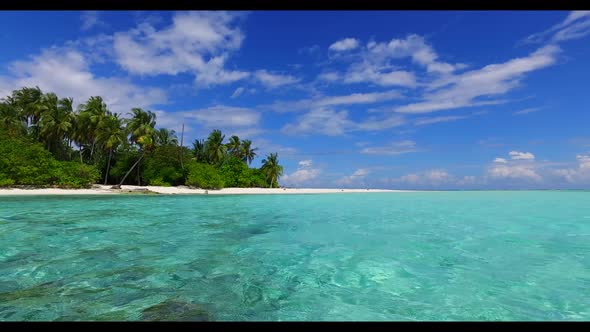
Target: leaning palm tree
x=271, y=168
x=166, y=137
x=248, y=153
x=215, y=149
x=110, y=135
x=233, y=147
x=141, y=127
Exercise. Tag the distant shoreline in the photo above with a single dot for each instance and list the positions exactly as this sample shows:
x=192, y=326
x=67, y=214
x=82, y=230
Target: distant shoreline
x=105, y=190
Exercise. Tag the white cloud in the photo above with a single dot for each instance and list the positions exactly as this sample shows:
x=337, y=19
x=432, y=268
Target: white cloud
x=514, y=171
x=394, y=148
x=578, y=175
x=323, y=101
x=527, y=111
x=438, y=119
x=516, y=155
x=369, y=73
x=576, y=25
x=415, y=47
x=329, y=76
x=357, y=98
x=243, y=122
x=455, y=91
x=304, y=174
x=223, y=116
x=305, y=163
x=67, y=72
x=330, y=122
x=520, y=167
x=90, y=19
x=375, y=65
x=435, y=177
x=195, y=42
x=237, y=92
x=344, y=45
x=320, y=121
x=266, y=146
x=271, y=80
x=355, y=178
x=373, y=123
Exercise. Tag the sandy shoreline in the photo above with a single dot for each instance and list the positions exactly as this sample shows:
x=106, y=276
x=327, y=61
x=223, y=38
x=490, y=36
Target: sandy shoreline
x=105, y=190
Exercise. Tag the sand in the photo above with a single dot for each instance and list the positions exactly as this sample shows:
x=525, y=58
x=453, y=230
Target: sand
x=105, y=190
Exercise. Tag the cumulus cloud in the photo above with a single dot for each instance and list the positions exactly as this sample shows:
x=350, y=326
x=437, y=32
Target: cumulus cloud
x=415, y=47
x=355, y=178
x=520, y=167
x=516, y=155
x=581, y=174
x=305, y=174
x=344, y=45
x=67, y=72
x=195, y=42
x=434, y=178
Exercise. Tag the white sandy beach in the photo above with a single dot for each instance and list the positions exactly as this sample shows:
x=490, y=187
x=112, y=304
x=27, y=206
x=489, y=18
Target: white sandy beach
x=105, y=190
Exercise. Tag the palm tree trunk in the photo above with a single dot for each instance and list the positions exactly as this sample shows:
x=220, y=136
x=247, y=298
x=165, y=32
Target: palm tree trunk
x=81, y=161
x=129, y=171
x=92, y=149
x=138, y=177
x=106, y=176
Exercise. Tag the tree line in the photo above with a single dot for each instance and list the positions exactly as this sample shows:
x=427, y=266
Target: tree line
x=44, y=141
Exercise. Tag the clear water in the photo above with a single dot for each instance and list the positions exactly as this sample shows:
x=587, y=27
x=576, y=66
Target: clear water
x=378, y=256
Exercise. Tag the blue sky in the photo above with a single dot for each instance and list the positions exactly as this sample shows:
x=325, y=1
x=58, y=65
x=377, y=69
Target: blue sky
x=414, y=100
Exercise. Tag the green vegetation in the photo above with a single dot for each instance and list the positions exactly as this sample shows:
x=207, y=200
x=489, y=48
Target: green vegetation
x=45, y=142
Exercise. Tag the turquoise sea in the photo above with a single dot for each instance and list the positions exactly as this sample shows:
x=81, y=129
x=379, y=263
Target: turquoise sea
x=520, y=255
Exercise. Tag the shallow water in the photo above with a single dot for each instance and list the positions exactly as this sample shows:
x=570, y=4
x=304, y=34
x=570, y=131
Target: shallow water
x=377, y=256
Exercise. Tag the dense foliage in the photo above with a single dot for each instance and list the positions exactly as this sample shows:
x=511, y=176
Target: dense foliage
x=45, y=142
x=23, y=162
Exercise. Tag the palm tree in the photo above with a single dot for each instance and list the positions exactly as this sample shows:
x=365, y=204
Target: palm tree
x=56, y=120
x=166, y=137
x=141, y=127
x=215, y=149
x=200, y=149
x=28, y=102
x=12, y=120
x=110, y=135
x=233, y=147
x=91, y=113
x=247, y=153
x=271, y=168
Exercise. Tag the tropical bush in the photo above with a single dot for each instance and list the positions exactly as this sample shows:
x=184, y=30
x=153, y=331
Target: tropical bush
x=204, y=176
x=23, y=162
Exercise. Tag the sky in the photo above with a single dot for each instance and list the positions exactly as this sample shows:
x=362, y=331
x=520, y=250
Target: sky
x=366, y=99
